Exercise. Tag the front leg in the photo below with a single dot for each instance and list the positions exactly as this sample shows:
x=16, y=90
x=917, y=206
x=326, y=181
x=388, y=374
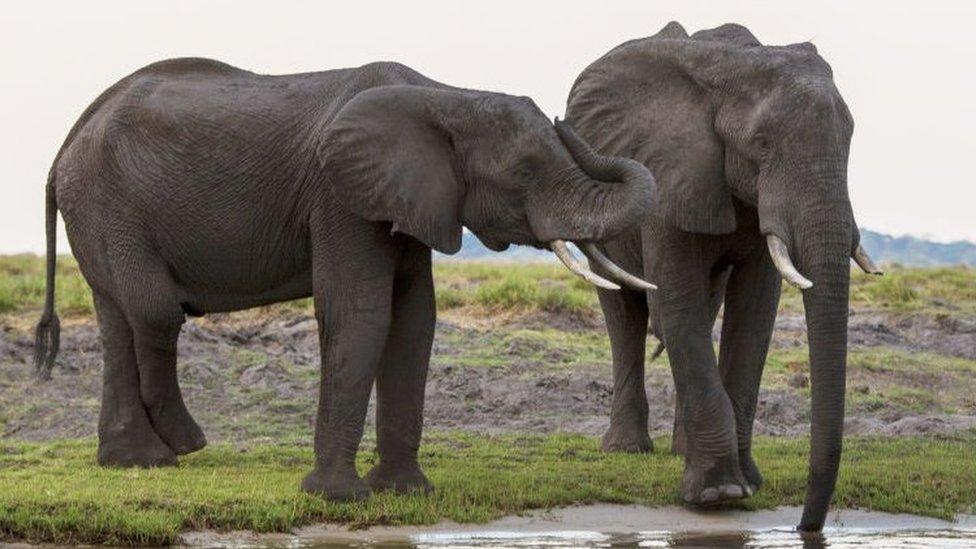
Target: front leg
x=684, y=271
x=402, y=376
x=750, y=312
x=352, y=277
x=625, y=312
x=626, y=316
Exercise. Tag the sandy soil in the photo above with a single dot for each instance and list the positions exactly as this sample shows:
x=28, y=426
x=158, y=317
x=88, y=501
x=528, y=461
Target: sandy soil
x=253, y=376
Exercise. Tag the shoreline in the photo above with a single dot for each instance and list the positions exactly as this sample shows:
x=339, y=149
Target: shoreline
x=590, y=522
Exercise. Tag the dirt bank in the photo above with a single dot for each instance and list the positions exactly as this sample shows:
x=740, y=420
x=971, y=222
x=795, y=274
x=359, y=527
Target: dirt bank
x=254, y=375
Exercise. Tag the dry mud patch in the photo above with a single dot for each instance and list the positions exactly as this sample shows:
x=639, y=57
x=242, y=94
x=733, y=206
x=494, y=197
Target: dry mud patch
x=254, y=376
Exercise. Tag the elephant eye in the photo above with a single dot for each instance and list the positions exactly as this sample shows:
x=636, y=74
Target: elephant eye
x=760, y=144
x=526, y=168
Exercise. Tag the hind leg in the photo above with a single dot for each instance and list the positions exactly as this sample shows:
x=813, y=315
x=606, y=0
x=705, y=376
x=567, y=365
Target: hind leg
x=750, y=312
x=151, y=302
x=155, y=345
x=125, y=436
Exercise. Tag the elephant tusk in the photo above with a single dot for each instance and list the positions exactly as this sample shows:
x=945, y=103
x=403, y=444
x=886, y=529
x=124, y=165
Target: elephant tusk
x=781, y=258
x=595, y=255
x=865, y=262
x=569, y=260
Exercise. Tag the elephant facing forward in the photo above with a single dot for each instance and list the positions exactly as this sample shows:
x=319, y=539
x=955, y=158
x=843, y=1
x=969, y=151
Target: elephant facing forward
x=749, y=145
x=192, y=187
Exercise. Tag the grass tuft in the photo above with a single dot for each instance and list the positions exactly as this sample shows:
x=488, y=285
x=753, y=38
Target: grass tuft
x=22, y=285
x=524, y=288
x=54, y=492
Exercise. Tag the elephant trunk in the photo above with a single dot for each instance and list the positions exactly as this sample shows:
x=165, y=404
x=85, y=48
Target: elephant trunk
x=595, y=199
x=816, y=228
x=824, y=256
x=617, y=191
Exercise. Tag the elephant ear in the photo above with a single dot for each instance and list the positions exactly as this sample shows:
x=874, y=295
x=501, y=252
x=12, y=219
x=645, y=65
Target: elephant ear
x=640, y=102
x=388, y=160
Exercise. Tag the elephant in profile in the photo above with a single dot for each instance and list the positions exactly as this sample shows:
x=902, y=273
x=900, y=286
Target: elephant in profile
x=749, y=145
x=193, y=187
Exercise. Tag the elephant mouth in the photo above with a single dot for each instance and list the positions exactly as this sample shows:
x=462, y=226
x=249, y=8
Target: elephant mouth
x=594, y=254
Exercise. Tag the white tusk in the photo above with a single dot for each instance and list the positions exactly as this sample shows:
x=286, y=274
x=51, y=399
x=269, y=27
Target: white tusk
x=781, y=258
x=615, y=270
x=864, y=261
x=569, y=260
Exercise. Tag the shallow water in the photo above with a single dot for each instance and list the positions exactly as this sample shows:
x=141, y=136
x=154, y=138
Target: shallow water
x=861, y=538
x=773, y=538
x=626, y=526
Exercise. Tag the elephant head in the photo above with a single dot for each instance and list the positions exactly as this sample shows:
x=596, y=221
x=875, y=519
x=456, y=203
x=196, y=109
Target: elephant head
x=433, y=159
x=722, y=119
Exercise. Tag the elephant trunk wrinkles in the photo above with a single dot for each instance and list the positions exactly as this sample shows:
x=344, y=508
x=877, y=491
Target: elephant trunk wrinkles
x=823, y=243
x=600, y=200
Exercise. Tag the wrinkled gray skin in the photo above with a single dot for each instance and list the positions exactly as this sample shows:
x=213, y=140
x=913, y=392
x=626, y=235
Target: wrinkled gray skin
x=745, y=141
x=193, y=187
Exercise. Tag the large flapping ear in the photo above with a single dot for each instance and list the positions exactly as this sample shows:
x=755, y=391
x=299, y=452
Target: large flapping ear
x=388, y=159
x=642, y=101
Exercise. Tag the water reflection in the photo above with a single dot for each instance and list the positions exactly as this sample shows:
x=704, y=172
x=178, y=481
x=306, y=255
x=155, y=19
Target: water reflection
x=775, y=538
x=763, y=539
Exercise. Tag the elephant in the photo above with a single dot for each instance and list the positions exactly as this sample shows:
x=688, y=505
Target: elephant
x=749, y=146
x=194, y=187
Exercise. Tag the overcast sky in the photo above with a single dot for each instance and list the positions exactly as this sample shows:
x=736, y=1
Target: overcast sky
x=906, y=69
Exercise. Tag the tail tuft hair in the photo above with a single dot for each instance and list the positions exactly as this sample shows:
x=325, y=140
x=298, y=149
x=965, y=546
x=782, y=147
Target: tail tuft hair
x=47, y=341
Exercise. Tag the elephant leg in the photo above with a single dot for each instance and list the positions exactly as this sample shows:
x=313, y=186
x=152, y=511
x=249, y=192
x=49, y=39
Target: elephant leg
x=625, y=312
x=125, y=435
x=716, y=293
x=712, y=472
x=679, y=439
x=750, y=312
x=149, y=296
x=352, y=278
x=402, y=377
x=155, y=343
x=152, y=307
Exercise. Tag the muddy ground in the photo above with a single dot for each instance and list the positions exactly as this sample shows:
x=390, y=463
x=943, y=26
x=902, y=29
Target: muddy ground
x=253, y=376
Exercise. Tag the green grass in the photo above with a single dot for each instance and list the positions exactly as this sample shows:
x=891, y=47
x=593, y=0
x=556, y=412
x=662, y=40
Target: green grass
x=894, y=380
x=53, y=492
x=22, y=285
x=511, y=286
x=943, y=289
x=526, y=287
x=500, y=348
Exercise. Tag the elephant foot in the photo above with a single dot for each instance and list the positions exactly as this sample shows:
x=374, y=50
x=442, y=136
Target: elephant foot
x=183, y=435
x=750, y=471
x=178, y=429
x=631, y=440
x=139, y=449
x=719, y=483
x=399, y=478
x=339, y=486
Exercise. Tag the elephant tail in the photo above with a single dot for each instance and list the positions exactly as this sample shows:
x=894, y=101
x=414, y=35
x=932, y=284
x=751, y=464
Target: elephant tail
x=657, y=351
x=48, y=333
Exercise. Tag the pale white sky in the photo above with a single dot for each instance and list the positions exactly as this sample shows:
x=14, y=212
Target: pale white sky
x=906, y=68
